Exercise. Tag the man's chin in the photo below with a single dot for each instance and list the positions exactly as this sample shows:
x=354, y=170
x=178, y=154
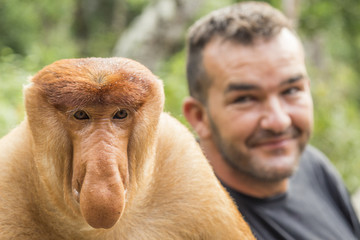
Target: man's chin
x=275, y=167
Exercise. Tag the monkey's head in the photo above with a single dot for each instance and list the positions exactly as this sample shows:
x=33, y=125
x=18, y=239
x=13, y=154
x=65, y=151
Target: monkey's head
x=93, y=122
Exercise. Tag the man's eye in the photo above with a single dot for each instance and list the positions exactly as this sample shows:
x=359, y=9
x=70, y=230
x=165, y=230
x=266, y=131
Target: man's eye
x=291, y=91
x=244, y=99
x=81, y=115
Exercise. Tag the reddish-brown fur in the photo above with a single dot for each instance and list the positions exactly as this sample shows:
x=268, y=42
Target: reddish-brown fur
x=138, y=177
x=62, y=89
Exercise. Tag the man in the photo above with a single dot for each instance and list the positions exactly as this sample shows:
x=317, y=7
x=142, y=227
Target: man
x=252, y=109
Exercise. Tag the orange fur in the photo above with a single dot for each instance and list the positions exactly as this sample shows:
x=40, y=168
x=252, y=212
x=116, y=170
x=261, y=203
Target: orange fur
x=141, y=177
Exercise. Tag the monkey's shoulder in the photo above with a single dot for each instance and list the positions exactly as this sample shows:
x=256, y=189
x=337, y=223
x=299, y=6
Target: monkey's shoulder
x=177, y=145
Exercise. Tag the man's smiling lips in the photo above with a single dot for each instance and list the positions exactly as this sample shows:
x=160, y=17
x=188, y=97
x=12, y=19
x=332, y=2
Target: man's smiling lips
x=271, y=140
x=273, y=143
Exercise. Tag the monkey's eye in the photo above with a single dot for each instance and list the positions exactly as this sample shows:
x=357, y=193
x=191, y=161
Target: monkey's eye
x=81, y=115
x=121, y=114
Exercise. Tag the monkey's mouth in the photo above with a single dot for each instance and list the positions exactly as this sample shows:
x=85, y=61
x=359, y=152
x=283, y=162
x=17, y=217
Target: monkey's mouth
x=76, y=195
x=77, y=183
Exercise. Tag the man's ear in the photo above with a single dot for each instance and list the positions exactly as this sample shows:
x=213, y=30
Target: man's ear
x=195, y=113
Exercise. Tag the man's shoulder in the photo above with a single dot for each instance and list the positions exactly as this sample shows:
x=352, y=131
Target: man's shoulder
x=314, y=157
x=316, y=166
x=313, y=152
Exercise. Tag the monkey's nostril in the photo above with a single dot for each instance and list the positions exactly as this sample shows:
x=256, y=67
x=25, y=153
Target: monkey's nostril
x=78, y=184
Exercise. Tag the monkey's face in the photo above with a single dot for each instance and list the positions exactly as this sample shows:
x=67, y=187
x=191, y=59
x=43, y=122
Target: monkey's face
x=102, y=112
x=100, y=137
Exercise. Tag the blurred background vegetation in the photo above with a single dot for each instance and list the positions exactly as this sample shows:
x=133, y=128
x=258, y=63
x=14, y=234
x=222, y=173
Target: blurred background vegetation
x=38, y=32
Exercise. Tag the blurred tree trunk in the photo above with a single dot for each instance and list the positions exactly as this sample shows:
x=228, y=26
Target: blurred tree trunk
x=95, y=20
x=291, y=9
x=158, y=32
x=313, y=45
x=90, y=15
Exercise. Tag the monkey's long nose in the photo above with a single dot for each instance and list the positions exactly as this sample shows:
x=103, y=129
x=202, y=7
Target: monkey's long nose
x=102, y=195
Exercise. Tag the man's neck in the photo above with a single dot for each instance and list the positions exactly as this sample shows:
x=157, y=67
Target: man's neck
x=250, y=186
x=240, y=181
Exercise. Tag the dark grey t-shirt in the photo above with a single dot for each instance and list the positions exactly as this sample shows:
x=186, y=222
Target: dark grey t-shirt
x=316, y=206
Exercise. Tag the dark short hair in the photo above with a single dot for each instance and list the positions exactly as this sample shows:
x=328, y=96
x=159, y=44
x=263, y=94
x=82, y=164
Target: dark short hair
x=243, y=22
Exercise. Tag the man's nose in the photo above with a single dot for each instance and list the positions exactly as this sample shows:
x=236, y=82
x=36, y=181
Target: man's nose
x=275, y=117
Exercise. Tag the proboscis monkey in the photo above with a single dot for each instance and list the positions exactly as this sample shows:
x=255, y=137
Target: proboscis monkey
x=96, y=158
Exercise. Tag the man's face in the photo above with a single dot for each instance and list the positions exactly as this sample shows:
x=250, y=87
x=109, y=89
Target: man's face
x=259, y=106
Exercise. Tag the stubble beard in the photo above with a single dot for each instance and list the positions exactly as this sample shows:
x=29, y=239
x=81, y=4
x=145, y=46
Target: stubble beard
x=253, y=166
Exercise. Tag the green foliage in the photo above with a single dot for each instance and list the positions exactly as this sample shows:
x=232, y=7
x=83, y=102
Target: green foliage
x=331, y=64
x=174, y=79
x=17, y=17
x=337, y=123
x=317, y=15
x=12, y=78
x=33, y=34
x=134, y=8
x=22, y=23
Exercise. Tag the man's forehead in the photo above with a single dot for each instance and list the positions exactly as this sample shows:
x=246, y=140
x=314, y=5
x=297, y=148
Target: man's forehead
x=284, y=40
x=283, y=55
x=253, y=85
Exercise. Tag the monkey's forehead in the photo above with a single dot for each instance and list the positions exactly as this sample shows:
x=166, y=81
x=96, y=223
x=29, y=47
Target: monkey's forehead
x=95, y=70
x=87, y=81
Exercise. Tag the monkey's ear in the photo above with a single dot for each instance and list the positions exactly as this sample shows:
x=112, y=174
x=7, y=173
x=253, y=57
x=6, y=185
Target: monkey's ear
x=195, y=113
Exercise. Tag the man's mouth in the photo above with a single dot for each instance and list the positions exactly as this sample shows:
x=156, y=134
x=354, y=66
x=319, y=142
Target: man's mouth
x=277, y=142
x=265, y=138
